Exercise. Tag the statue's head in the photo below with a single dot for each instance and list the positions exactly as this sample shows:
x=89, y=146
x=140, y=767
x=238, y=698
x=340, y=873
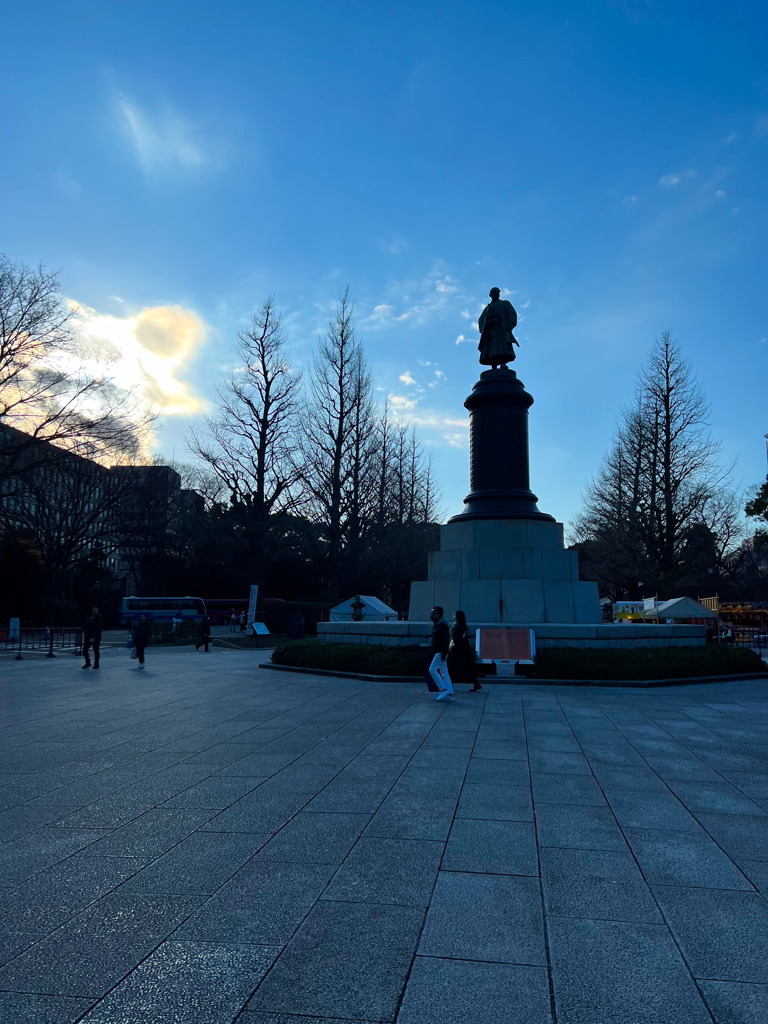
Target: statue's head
x=495, y=293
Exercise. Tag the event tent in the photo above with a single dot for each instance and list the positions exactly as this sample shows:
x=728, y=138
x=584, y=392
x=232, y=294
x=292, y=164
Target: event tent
x=373, y=610
x=681, y=608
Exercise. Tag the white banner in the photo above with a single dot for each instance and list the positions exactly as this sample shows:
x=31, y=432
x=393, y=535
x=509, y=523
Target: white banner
x=252, y=603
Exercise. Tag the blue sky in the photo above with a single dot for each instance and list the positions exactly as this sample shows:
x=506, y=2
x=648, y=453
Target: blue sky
x=603, y=162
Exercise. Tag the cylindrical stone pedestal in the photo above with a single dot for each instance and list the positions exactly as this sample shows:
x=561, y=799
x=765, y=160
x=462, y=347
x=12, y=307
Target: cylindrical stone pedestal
x=498, y=444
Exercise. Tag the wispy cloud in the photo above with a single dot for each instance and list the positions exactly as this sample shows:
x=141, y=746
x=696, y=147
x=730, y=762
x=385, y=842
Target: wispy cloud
x=672, y=180
x=72, y=189
x=395, y=245
x=399, y=403
x=406, y=378
x=164, y=140
x=419, y=300
x=442, y=430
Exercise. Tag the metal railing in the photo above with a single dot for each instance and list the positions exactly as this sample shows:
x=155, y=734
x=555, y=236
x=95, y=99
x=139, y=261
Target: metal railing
x=48, y=640
x=750, y=636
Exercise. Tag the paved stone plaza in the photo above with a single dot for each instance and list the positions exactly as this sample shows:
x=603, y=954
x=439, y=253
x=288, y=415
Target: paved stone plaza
x=207, y=841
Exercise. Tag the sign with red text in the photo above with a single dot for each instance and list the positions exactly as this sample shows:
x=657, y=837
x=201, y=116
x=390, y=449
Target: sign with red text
x=505, y=643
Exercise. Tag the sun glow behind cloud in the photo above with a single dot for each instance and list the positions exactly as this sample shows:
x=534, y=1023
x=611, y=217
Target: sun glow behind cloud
x=146, y=353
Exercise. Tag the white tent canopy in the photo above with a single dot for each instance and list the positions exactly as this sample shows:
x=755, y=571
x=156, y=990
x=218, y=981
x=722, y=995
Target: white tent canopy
x=682, y=608
x=373, y=610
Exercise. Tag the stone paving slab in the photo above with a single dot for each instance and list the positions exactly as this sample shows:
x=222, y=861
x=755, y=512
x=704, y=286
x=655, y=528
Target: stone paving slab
x=210, y=842
x=485, y=917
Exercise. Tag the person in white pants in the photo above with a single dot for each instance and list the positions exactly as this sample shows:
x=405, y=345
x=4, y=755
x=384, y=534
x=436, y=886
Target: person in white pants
x=438, y=668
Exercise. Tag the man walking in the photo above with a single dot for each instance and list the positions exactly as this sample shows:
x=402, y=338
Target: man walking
x=205, y=634
x=92, y=638
x=441, y=641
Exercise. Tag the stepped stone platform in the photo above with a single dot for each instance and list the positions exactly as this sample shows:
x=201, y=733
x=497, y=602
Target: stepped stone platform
x=505, y=570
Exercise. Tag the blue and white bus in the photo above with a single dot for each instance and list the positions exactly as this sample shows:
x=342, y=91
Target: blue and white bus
x=162, y=609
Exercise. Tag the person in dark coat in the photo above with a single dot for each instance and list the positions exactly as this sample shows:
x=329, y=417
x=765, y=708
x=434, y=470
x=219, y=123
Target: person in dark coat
x=438, y=668
x=92, y=638
x=142, y=634
x=205, y=634
x=461, y=654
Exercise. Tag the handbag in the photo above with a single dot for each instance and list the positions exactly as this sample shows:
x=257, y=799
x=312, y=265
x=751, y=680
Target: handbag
x=134, y=653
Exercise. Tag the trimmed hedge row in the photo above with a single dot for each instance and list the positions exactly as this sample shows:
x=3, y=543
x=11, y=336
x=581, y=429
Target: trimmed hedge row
x=373, y=659
x=551, y=662
x=645, y=662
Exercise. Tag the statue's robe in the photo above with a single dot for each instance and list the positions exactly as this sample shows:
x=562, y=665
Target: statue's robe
x=497, y=342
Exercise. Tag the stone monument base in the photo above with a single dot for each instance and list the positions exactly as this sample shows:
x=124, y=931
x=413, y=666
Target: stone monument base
x=505, y=571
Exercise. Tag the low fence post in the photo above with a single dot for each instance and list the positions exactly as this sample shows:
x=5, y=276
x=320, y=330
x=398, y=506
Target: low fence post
x=19, y=656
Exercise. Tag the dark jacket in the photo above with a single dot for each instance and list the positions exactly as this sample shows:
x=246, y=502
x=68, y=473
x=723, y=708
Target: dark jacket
x=142, y=634
x=441, y=637
x=93, y=627
x=461, y=656
x=205, y=626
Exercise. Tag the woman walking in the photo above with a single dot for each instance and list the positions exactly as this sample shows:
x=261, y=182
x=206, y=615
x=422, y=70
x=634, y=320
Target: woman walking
x=142, y=634
x=461, y=655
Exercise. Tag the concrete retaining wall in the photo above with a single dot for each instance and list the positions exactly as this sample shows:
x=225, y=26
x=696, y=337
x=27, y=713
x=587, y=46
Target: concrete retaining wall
x=548, y=634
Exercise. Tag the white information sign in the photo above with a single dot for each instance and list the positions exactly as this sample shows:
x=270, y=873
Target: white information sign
x=252, y=602
x=15, y=626
x=259, y=629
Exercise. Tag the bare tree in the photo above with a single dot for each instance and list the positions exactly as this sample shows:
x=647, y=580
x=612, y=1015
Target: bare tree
x=250, y=444
x=405, y=514
x=53, y=402
x=659, y=482
x=339, y=441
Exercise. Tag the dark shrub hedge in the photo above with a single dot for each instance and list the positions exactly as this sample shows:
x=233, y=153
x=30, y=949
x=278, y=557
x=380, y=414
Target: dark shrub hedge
x=551, y=663
x=645, y=662
x=371, y=659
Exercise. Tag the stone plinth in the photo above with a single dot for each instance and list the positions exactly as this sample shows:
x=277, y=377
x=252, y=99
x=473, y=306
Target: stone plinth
x=506, y=570
x=498, y=450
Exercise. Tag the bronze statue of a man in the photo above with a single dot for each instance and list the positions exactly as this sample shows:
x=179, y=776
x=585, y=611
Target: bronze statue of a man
x=497, y=342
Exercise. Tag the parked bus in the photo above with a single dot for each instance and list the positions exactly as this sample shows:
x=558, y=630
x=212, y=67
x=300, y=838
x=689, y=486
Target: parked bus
x=161, y=609
x=220, y=608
